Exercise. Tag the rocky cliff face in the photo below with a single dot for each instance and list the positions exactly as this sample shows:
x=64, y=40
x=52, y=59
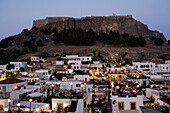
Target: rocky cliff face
x=125, y=24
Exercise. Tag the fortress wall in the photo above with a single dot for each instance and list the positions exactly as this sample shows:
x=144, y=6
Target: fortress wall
x=39, y=23
x=43, y=22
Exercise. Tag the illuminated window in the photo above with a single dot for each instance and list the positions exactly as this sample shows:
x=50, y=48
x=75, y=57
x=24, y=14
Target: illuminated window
x=121, y=105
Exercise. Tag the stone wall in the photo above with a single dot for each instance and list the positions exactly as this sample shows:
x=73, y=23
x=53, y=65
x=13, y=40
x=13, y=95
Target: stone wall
x=124, y=24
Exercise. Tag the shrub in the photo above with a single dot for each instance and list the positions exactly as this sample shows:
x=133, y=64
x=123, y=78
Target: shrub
x=33, y=48
x=158, y=41
x=27, y=43
x=4, y=42
x=44, y=55
x=10, y=66
x=39, y=42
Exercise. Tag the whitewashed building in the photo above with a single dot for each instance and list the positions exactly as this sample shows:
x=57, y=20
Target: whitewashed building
x=86, y=58
x=3, y=67
x=83, y=77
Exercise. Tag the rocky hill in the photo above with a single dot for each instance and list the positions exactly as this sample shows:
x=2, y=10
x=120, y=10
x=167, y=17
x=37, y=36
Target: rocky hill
x=121, y=31
x=124, y=24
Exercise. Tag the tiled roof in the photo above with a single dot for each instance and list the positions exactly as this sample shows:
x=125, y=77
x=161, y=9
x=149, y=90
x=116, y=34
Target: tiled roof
x=11, y=81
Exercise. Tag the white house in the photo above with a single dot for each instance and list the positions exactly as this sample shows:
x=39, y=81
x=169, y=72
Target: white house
x=3, y=67
x=75, y=105
x=18, y=65
x=11, y=84
x=35, y=59
x=86, y=58
x=76, y=67
x=127, y=103
x=83, y=77
x=37, y=107
x=43, y=73
x=167, y=61
x=163, y=68
x=71, y=84
x=75, y=62
x=145, y=66
x=60, y=62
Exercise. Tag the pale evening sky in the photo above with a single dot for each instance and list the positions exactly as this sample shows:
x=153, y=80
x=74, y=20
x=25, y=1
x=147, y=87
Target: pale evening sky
x=16, y=15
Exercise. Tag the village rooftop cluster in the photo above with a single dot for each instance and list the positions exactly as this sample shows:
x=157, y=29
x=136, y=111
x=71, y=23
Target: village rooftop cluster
x=79, y=84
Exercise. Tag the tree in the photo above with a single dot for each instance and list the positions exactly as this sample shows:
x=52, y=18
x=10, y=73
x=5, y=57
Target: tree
x=158, y=41
x=33, y=48
x=10, y=66
x=24, y=50
x=22, y=69
x=59, y=76
x=4, y=42
x=44, y=55
x=27, y=43
x=39, y=42
x=168, y=42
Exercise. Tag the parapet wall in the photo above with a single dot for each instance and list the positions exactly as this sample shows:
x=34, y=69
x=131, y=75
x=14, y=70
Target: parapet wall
x=43, y=22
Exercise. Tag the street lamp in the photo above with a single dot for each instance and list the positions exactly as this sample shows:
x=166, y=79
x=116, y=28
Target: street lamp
x=30, y=100
x=52, y=87
x=18, y=104
x=82, y=87
x=71, y=87
x=9, y=101
x=85, y=87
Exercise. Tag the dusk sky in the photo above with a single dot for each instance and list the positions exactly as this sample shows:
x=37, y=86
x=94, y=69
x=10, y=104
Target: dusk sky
x=16, y=15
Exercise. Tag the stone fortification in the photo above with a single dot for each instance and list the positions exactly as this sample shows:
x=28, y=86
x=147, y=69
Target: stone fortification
x=124, y=24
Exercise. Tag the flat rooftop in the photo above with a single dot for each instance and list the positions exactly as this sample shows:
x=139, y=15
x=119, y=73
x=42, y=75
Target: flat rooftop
x=145, y=109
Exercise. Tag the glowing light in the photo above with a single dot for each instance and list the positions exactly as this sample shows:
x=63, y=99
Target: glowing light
x=6, y=109
x=9, y=100
x=55, y=104
x=26, y=109
x=37, y=109
x=30, y=100
x=64, y=105
x=126, y=85
x=18, y=104
x=52, y=85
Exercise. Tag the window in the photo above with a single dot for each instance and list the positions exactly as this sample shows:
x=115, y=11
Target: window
x=86, y=79
x=121, y=105
x=76, y=79
x=77, y=85
x=133, y=105
x=136, y=66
